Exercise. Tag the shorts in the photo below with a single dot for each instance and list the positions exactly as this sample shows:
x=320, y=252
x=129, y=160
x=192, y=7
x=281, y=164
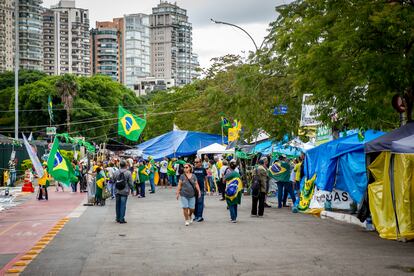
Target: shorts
x=187, y=202
x=163, y=176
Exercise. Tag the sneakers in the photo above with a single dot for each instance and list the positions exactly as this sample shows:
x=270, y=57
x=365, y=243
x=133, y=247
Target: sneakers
x=234, y=221
x=191, y=221
x=187, y=223
x=199, y=220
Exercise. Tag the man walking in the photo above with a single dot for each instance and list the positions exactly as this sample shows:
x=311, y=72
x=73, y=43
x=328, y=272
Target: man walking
x=283, y=180
x=201, y=175
x=123, y=186
x=261, y=173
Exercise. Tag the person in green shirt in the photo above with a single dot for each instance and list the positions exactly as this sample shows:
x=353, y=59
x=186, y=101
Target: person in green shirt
x=283, y=181
x=143, y=176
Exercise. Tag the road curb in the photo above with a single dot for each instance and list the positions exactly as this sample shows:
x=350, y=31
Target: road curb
x=343, y=218
x=29, y=256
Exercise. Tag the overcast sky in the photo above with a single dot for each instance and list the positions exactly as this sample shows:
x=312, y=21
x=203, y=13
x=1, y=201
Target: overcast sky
x=209, y=40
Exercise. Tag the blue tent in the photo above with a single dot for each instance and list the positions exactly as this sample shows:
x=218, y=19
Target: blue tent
x=341, y=163
x=177, y=143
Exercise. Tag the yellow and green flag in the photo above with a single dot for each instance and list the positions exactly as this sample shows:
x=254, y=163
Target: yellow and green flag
x=129, y=125
x=50, y=107
x=58, y=166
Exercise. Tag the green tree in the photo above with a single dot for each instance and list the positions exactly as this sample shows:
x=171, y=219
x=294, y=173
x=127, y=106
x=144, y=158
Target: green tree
x=353, y=56
x=67, y=88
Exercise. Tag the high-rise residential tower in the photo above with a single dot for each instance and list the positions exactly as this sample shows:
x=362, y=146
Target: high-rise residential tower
x=66, y=40
x=137, y=49
x=171, y=43
x=30, y=34
x=7, y=35
x=107, y=49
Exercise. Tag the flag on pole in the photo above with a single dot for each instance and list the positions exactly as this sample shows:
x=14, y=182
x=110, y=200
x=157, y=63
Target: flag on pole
x=50, y=108
x=33, y=157
x=129, y=125
x=58, y=166
x=225, y=124
x=234, y=132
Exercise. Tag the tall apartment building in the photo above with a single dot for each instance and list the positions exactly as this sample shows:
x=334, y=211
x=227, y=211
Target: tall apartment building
x=7, y=35
x=195, y=66
x=137, y=56
x=30, y=34
x=171, y=43
x=66, y=40
x=107, y=49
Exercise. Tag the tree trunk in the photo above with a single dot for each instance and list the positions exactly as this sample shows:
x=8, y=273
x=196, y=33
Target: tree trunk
x=68, y=119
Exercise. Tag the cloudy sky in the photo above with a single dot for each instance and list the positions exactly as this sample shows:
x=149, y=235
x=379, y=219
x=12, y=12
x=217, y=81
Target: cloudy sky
x=209, y=40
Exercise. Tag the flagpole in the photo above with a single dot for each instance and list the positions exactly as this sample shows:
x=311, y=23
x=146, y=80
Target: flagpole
x=222, y=132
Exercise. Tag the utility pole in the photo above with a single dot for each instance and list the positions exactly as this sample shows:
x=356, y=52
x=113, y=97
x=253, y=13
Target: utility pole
x=16, y=73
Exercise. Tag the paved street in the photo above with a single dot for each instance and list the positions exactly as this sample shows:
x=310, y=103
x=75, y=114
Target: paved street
x=156, y=242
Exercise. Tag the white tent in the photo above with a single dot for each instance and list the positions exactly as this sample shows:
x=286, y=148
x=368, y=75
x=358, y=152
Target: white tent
x=215, y=149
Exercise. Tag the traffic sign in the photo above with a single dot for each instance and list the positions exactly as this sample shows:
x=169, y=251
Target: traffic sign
x=51, y=131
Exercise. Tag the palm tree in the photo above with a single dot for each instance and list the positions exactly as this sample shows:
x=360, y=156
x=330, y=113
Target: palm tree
x=67, y=88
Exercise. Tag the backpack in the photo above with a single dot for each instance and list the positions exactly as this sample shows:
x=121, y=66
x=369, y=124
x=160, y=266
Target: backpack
x=255, y=185
x=180, y=168
x=120, y=183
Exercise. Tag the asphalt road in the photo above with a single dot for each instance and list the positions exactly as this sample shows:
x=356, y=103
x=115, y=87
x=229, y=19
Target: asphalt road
x=156, y=242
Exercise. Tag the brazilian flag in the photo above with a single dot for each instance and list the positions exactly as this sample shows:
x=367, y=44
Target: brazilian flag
x=58, y=166
x=129, y=125
x=225, y=124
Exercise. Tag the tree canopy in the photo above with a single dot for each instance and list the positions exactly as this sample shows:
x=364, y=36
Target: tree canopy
x=353, y=56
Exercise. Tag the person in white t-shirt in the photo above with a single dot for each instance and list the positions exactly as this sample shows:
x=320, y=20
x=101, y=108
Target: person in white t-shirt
x=163, y=172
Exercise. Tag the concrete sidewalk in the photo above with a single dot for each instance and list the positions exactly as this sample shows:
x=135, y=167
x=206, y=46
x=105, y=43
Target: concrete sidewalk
x=156, y=242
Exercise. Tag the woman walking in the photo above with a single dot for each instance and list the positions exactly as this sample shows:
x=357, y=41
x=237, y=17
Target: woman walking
x=234, y=188
x=187, y=190
x=43, y=184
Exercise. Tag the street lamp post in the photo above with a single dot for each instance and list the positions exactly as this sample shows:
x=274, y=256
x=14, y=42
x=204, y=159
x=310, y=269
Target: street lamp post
x=16, y=73
x=238, y=27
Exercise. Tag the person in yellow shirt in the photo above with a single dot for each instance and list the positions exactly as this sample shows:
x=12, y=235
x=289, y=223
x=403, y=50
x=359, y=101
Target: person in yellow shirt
x=43, y=184
x=298, y=176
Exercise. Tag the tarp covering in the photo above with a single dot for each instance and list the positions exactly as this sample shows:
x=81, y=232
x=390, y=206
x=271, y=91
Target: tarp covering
x=341, y=163
x=177, y=143
x=405, y=145
x=215, y=149
x=384, y=142
x=392, y=202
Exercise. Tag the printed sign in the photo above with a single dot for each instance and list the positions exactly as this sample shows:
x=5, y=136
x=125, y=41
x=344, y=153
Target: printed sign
x=339, y=199
x=308, y=116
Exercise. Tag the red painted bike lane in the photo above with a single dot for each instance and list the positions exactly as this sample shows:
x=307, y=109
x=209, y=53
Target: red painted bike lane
x=22, y=226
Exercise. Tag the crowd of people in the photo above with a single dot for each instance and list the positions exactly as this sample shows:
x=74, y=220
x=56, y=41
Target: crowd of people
x=117, y=178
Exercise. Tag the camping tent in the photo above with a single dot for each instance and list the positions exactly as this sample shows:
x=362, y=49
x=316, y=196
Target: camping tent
x=215, y=149
x=340, y=163
x=391, y=193
x=177, y=143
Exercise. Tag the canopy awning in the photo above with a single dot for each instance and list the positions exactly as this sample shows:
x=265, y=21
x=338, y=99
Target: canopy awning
x=215, y=149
